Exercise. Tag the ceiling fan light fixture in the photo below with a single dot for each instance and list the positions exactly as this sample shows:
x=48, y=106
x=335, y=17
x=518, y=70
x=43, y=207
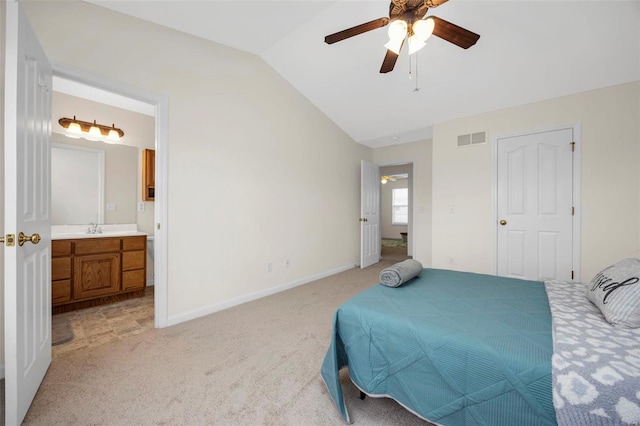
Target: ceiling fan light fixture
x=415, y=44
x=397, y=30
x=423, y=28
x=395, y=45
x=383, y=180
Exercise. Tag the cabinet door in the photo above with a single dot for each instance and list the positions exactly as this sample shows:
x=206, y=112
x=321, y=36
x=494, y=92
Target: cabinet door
x=148, y=174
x=96, y=275
x=133, y=279
x=60, y=291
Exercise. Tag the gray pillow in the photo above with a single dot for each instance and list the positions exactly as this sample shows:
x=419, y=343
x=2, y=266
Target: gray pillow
x=616, y=292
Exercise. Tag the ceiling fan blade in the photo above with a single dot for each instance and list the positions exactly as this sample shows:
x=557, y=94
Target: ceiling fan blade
x=453, y=33
x=354, y=31
x=389, y=61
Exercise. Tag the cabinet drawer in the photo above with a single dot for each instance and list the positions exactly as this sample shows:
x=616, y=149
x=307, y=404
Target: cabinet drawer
x=60, y=248
x=133, y=260
x=60, y=268
x=96, y=275
x=60, y=291
x=134, y=243
x=97, y=245
x=133, y=279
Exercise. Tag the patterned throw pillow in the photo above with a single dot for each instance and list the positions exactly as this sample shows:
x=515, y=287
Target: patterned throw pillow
x=616, y=292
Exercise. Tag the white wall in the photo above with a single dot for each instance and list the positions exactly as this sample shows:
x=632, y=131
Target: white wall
x=418, y=153
x=463, y=177
x=256, y=172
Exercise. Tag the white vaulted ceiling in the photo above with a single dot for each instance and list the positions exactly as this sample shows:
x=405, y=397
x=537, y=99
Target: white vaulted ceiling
x=528, y=51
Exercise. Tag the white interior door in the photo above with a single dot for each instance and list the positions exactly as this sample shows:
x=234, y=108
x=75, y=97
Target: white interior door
x=369, y=214
x=535, y=205
x=27, y=266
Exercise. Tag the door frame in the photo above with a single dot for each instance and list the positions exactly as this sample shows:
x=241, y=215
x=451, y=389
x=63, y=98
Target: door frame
x=576, y=191
x=161, y=200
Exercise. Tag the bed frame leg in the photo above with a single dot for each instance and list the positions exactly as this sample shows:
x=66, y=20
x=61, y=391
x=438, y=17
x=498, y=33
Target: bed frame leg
x=362, y=395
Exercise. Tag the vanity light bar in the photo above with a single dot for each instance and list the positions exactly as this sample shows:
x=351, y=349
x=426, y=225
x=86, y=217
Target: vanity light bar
x=77, y=126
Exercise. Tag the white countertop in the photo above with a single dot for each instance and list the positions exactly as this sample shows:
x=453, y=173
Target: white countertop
x=71, y=232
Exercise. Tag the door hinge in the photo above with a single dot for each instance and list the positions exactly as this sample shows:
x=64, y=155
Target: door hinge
x=571, y=274
x=573, y=211
x=573, y=146
x=158, y=225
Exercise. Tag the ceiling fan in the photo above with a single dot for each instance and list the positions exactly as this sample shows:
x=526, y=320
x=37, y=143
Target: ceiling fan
x=406, y=19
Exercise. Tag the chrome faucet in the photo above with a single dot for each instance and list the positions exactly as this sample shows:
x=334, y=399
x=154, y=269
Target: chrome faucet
x=93, y=229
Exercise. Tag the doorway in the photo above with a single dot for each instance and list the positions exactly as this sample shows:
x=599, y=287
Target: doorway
x=129, y=98
x=396, y=205
x=108, y=193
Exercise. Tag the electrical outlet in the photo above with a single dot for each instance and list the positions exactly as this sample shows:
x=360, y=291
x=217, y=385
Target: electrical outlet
x=287, y=263
x=269, y=266
x=452, y=260
x=141, y=207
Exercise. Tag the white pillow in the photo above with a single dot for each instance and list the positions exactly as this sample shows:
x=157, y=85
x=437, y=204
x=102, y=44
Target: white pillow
x=616, y=292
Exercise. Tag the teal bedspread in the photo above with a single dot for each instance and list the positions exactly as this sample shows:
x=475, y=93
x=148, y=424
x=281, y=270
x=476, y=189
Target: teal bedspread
x=455, y=348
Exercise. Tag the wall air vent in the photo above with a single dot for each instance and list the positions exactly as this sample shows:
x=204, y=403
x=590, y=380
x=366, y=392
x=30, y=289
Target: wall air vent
x=472, y=138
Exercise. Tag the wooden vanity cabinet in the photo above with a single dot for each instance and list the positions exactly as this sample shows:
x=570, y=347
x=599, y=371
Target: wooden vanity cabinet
x=92, y=271
x=60, y=271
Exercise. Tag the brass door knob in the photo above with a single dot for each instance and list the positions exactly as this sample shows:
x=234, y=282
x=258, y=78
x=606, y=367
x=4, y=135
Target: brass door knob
x=503, y=222
x=22, y=238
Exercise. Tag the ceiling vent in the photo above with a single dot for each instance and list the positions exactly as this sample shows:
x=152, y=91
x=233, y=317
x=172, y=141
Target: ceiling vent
x=472, y=138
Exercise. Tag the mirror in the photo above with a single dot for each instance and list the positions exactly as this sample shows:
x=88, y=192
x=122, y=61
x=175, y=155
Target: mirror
x=92, y=182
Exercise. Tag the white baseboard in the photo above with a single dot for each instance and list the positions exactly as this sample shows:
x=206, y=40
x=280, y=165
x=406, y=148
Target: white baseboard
x=206, y=310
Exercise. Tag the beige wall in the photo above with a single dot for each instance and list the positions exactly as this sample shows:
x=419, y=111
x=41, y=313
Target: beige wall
x=256, y=172
x=610, y=209
x=418, y=153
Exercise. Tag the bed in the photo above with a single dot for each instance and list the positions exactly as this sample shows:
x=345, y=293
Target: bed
x=458, y=348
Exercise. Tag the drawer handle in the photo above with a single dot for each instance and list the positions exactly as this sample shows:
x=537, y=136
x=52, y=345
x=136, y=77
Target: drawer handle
x=33, y=239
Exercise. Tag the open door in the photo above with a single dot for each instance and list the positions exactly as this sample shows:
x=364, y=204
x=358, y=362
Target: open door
x=369, y=214
x=27, y=243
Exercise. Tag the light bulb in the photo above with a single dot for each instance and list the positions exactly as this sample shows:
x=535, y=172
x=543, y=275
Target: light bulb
x=113, y=134
x=94, y=132
x=397, y=30
x=422, y=29
x=74, y=130
x=383, y=181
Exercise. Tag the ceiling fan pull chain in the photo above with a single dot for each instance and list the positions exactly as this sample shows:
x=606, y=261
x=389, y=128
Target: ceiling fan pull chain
x=417, y=89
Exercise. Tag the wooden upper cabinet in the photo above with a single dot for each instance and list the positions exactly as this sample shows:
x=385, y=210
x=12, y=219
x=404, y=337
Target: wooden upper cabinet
x=148, y=174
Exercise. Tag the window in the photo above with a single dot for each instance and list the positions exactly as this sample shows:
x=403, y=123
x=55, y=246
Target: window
x=400, y=206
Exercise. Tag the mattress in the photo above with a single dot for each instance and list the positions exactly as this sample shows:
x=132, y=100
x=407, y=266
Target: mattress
x=455, y=348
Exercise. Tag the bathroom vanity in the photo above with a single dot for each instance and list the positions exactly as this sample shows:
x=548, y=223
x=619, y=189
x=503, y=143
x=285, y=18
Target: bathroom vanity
x=93, y=269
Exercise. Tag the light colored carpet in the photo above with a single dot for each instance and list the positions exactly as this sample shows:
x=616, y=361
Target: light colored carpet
x=254, y=364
